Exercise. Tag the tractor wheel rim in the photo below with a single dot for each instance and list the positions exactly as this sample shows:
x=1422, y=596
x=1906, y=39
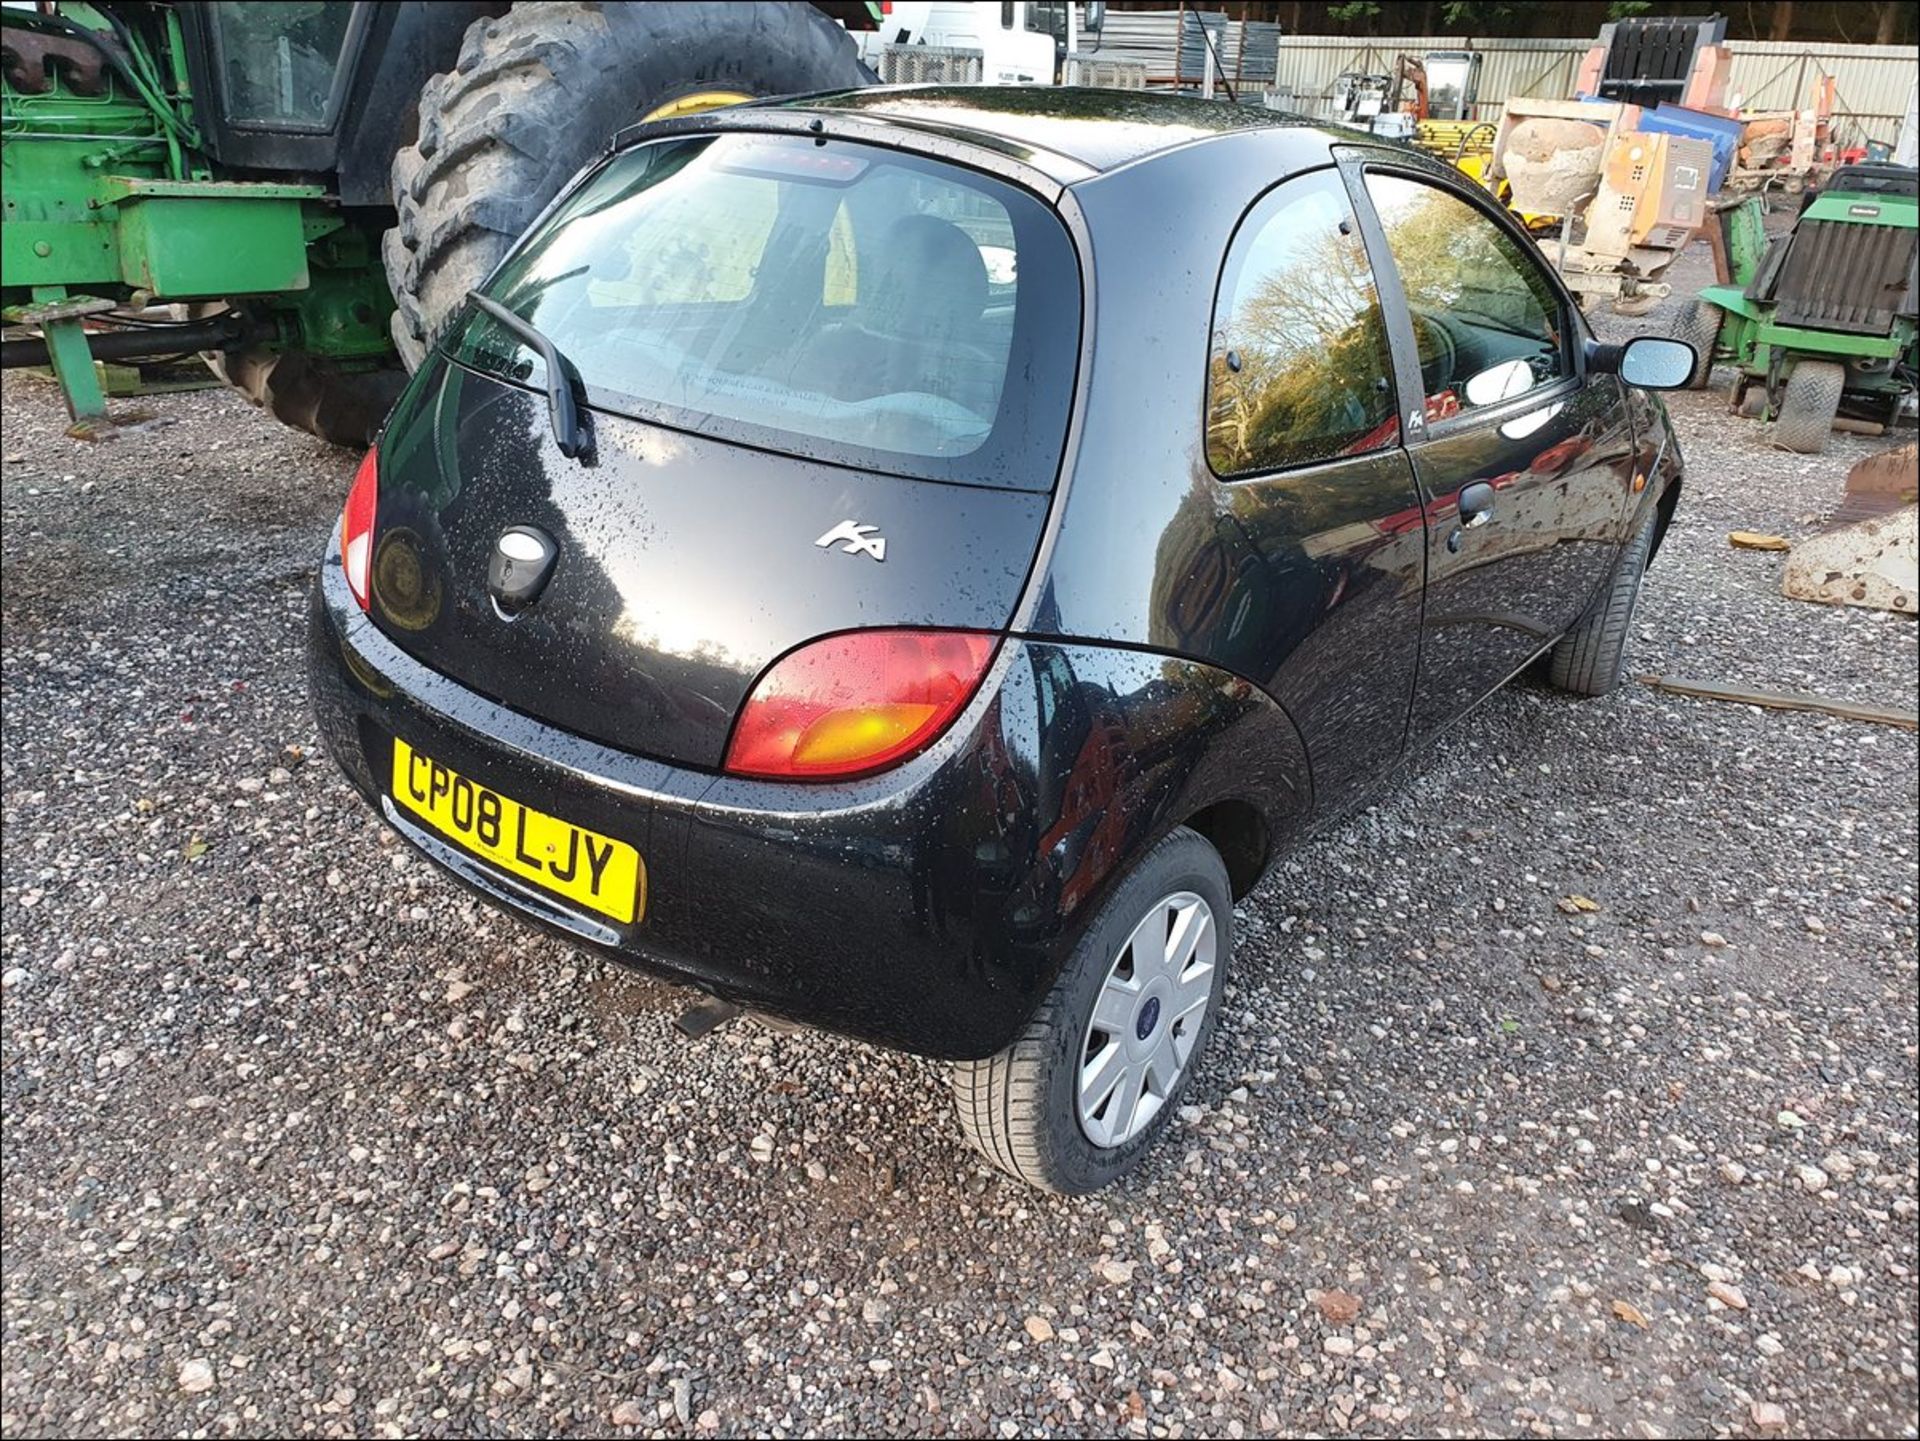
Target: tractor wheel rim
x=694, y=103
x=1146, y=1020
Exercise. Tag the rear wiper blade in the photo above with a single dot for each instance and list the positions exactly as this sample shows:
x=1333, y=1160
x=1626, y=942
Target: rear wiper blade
x=570, y=430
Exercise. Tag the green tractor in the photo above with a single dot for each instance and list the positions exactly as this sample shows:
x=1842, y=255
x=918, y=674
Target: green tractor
x=311, y=187
x=1822, y=321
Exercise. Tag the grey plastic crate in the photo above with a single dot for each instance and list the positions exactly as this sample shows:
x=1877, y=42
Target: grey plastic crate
x=1105, y=71
x=931, y=65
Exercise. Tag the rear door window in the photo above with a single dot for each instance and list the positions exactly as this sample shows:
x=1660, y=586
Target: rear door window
x=837, y=301
x=1300, y=364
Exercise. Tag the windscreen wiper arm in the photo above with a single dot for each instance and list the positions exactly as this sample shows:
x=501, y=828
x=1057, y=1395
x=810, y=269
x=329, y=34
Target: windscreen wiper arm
x=570, y=430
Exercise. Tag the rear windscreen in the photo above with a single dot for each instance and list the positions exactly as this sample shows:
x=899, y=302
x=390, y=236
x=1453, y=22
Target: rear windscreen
x=838, y=301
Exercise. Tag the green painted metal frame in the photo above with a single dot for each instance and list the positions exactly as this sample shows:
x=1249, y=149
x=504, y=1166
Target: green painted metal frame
x=113, y=196
x=69, y=355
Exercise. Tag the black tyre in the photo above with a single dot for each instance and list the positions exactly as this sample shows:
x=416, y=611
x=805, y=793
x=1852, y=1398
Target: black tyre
x=1590, y=659
x=538, y=92
x=1808, y=406
x=344, y=406
x=1080, y=1097
x=1701, y=330
x=309, y=393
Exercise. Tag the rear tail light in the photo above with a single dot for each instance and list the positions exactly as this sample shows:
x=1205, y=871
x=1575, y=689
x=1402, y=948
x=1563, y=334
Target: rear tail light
x=356, y=527
x=856, y=703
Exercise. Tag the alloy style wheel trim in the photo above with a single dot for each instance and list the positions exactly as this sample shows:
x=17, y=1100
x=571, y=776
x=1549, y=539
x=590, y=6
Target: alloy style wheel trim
x=1146, y=1019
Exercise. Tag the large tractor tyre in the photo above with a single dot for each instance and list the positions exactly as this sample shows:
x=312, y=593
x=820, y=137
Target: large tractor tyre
x=308, y=392
x=539, y=91
x=1701, y=330
x=1808, y=407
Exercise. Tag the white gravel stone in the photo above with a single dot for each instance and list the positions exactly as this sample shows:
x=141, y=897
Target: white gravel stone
x=208, y=1040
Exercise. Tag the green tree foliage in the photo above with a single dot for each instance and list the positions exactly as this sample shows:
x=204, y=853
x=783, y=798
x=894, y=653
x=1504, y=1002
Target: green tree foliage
x=1476, y=14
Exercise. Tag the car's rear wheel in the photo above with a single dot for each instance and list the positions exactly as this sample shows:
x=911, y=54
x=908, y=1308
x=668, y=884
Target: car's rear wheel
x=1807, y=409
x=1083, y=1093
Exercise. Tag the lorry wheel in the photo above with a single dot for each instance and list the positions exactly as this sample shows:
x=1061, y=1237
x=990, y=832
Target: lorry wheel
x=1589, y=659
x=1808, y=407
x=1701, y=330
x=539, y=91
x=1086, y=1089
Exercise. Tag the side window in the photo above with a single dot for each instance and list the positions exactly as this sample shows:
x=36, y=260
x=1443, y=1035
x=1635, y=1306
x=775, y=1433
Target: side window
x=280, y=63
x=1299, y=365
x=1487, y=321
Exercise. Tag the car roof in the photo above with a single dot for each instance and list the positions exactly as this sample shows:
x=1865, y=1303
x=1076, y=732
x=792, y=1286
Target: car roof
x=1064, y=131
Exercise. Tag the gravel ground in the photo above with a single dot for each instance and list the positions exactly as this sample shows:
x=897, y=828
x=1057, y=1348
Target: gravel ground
x=299, y=1138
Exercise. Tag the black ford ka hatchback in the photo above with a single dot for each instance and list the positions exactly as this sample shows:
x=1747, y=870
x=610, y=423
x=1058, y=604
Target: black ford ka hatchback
x=907, y=561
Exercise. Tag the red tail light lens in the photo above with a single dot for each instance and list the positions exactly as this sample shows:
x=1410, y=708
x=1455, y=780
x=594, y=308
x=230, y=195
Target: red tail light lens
x=356, y=527
x=857, y=703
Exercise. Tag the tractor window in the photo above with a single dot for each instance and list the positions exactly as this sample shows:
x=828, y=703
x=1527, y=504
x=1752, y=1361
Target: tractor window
x=279, y=64
x=837, y=301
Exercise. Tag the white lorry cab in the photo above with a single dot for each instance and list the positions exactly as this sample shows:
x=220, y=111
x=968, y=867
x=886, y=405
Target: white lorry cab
x=1020, y=42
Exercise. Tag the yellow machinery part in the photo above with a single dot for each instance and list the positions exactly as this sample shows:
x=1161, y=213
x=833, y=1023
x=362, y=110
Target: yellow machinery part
x=1467, y=145
x=694, y=103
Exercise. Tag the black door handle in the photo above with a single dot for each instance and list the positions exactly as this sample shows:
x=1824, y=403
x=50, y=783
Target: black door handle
x=1476, y=504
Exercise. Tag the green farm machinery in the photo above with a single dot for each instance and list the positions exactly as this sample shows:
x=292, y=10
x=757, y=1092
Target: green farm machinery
x=1822, y=322
x=304, y=191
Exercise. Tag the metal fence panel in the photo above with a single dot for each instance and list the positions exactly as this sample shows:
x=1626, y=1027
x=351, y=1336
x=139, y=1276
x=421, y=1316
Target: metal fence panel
x=1871, y=81
x=930, y=65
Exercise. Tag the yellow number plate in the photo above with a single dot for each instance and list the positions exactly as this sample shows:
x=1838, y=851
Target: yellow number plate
x=556, y=855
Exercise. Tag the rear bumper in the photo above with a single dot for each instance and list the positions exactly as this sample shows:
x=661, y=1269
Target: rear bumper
x=929, y=908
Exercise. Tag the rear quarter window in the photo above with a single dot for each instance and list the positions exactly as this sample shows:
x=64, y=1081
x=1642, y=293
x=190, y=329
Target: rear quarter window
x=1299, y=369
x=842, y=302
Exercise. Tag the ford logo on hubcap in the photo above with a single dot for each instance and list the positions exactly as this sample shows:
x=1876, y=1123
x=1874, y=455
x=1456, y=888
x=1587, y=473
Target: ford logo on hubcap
x=1148, y=1019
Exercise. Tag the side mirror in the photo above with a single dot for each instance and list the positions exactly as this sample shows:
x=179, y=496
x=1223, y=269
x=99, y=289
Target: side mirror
x=1650, y=362
x=1000, y=263
x=1093, y=15
x=1499, y=382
